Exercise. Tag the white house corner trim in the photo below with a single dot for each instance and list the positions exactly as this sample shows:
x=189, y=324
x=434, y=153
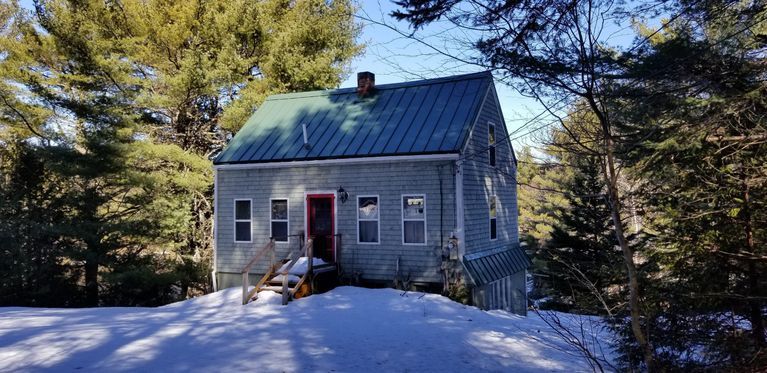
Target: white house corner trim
x=459, y=210
x=213, y=229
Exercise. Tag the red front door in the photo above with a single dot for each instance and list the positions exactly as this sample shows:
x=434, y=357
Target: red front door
x=321, y=225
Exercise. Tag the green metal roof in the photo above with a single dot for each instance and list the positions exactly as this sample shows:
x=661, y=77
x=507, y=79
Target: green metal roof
x=421, y=117
x=494, y=264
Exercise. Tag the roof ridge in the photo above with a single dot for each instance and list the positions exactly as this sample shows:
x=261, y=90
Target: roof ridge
x=413, y=83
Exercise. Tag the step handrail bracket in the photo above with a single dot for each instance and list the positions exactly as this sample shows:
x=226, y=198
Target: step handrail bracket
x=268, y=248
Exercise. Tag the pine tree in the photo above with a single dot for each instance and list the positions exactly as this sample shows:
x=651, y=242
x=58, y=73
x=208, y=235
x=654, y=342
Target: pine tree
x=540, y=206
x=585, y=266
x=128, y=101
x=699, y=129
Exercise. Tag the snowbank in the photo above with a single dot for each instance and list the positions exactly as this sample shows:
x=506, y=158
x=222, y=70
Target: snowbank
x=346, y=330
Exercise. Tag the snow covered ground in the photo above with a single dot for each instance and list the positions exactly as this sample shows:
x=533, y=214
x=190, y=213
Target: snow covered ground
x=346, y=330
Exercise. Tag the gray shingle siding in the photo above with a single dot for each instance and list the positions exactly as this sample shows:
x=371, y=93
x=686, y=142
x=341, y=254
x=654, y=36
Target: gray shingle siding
x=388, y=180
x=480, y=181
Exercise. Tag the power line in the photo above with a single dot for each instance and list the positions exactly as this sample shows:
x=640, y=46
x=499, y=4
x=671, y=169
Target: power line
x=517, y=182
x=646, y=39
x=504, y=138
x=657, y=73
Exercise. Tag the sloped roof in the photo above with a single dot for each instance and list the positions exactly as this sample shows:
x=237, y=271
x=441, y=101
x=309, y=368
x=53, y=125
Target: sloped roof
x=422, y=117
x=494, y=264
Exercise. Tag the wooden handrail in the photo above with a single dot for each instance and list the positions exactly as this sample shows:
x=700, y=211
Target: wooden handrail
x=339, y=247
x=258, y=256
x=269, y=247
x=307, y=250
x=294, y=256
x=309, y=253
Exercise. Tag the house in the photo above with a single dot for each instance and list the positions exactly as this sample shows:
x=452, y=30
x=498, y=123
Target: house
x=410, y=182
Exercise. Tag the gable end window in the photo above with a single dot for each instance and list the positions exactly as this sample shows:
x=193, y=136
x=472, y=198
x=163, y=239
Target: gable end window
x=493, y=218
x=368, y=217
x=414, y=219
x=242, y=220
x=279, y=225
x=491, y=143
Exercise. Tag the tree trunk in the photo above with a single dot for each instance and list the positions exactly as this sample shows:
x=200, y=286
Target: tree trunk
x=755, y=308
x=611, y=178
x=628, y=259
x=92, y=280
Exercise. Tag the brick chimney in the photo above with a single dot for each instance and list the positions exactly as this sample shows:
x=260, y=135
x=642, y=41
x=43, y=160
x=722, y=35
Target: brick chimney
x=366, y=83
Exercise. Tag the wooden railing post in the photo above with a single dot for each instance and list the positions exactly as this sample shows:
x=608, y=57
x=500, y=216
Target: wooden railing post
x=339, y=252
x=285, y=295
x=246, y=271
x=310, y=258
x=271, y=260
x=310, y=266
x=244, y=288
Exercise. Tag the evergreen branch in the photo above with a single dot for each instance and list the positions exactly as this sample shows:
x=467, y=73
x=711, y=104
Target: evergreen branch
x=742, y=138
x=743, y=255
x=22, y=116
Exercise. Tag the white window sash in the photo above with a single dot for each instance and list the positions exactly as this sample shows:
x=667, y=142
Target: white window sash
x=286, y=220
x=378, y=220
x=249, y=220
x=404, y=219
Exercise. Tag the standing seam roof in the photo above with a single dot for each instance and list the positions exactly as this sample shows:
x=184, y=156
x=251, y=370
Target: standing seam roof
x=422, y=117
x=494, y=264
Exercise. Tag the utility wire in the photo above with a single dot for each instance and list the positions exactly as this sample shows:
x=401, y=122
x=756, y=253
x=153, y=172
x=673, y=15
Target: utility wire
x=643, y=41
x=657, y=73
x=501, y=172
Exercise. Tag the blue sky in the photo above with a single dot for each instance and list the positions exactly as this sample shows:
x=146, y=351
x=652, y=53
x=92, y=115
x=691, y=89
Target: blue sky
x=394, y=58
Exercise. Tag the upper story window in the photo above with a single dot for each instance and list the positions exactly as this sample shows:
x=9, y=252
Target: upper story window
x=368, y=218
x=242, y=220
x=491, y=143
x=493, y=218
x=414, y=219
x=279, y=220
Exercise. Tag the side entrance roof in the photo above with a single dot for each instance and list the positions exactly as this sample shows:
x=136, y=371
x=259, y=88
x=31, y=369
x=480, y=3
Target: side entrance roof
x=431, y=116
x=494, y=264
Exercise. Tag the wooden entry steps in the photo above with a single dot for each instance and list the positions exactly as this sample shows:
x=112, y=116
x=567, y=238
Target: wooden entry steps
x=295, y=289
x=280, y=279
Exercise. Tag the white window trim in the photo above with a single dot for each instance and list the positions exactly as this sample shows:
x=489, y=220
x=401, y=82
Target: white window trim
x=287, y=201
x=490, y=218
x=378, y=200
x=402, y=217
x=250, y=221
x=492, y=147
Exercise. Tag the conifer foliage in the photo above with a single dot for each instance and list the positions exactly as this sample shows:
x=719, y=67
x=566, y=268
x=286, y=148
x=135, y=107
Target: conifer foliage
x=110, y=114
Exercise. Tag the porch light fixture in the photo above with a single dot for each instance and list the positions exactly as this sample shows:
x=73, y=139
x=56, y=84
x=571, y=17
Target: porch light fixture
x=342, y=195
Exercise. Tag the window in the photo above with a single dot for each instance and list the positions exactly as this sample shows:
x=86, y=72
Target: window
x=279, y=220
x=367, y=219
x=242, y=220
x=491, y=143
x=493, y=219
x=414, y=219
